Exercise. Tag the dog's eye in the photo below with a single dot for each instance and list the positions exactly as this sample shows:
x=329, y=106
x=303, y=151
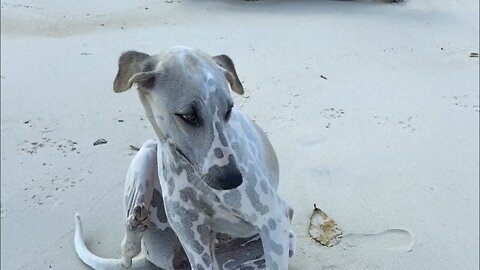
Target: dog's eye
x=190, y=118
x=228, y=114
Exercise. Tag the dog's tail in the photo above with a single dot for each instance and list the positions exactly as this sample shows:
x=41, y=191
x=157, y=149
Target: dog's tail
x=100, y=263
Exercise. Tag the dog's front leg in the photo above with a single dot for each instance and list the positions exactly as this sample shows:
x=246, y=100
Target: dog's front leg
x=139, y=185
x=196, y=238
x=274, y=230
x=186, y=213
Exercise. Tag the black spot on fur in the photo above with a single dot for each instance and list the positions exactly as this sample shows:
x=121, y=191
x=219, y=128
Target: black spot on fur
x=221, y=136
x=218, y=152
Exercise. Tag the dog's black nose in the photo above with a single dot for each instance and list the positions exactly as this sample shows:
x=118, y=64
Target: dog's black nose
x=230, y=180
x=225, y=177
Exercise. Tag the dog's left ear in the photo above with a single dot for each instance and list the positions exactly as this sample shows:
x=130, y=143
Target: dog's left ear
x=231, y=75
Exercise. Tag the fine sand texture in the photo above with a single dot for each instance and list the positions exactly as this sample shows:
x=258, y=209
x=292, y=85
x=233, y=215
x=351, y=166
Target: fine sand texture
x=373, y=110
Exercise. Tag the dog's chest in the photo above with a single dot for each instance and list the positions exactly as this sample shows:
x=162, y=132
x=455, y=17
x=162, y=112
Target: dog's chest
x=224, y=221
x=185, y=193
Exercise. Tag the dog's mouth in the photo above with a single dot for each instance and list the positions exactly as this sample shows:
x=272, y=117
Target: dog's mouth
x=182, y=154
x=174, y=150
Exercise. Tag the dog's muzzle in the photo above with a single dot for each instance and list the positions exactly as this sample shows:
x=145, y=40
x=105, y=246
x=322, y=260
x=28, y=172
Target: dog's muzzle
x=220, y=178
x=225, y=177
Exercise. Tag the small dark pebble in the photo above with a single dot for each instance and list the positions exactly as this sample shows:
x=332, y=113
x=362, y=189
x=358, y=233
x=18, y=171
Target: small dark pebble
x=474, y=55
x=120, y=120
x=323, y=77
x=441, y=49
x=134, y=148
x=99, y=141
x=26, y=122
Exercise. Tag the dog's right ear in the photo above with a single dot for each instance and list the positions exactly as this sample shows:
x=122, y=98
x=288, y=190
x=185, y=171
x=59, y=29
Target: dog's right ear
x=133, y=67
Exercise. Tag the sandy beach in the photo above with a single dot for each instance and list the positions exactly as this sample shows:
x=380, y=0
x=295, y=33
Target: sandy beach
x=373, y=110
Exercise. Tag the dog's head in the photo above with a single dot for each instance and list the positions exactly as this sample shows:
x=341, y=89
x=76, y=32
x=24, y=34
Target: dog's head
x=186, y=95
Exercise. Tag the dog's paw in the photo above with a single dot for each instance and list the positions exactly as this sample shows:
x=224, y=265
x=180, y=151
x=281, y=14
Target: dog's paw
x=138, y=220
x=126, y=262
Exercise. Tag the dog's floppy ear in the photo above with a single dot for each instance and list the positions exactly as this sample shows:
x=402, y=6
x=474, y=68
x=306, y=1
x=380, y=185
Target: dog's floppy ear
x=226, y=63
x=133, y=67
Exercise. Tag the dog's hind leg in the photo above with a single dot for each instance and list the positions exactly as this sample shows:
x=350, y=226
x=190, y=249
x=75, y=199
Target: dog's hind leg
x=277, y=239
x=139, y=186
x=136, y=224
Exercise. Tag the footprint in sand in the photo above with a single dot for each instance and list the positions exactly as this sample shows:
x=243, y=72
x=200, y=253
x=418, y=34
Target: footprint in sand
x=392, y=239
x=406, y=124
x=331, y=114
x=466, y=101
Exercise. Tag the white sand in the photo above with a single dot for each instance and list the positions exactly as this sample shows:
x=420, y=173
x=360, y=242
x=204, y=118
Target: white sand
x=403, y=154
